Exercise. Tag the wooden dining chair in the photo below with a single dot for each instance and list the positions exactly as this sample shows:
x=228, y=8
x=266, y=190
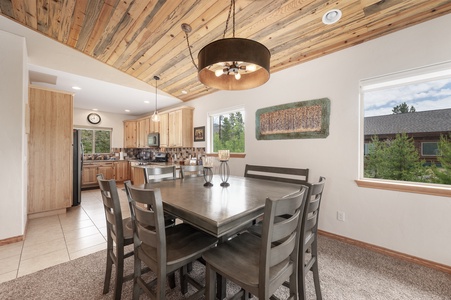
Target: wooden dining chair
x=282, y=174
x=260, y=265
x=119, y=232
x=191, y=171
x=163, y=250
x=159, y=173
x=308, y=260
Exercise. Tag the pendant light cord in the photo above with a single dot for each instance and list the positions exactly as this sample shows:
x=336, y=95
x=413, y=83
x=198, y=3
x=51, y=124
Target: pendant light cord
x=189, y=48
x=156, y=93
x=232, y=6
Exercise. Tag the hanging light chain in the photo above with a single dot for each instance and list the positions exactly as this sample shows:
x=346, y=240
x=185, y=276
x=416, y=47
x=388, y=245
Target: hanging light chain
x=232, y=6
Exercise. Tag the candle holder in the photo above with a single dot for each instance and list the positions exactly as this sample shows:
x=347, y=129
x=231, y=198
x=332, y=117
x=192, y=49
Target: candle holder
x=224, y=170
x=208, y=176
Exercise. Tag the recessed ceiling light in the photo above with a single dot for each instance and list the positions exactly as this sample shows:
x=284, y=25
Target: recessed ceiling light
x=127, y=110
x=76, y=88
x=332, y=16
x=146, y=101
x=95, y=109
x=184, y=92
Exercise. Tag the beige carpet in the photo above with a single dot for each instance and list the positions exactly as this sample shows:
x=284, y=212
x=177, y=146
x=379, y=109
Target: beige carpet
x=347, y=272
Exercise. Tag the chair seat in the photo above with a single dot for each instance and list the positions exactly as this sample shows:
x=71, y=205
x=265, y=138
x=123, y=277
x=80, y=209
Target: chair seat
x=183, y=243
x=240, y=255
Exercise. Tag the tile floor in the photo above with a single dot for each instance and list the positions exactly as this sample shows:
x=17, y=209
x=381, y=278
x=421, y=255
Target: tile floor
x=56, y=239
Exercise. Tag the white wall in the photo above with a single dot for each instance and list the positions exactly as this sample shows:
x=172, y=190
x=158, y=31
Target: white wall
x=109, y=120
x=414, y=224
x=13, y=149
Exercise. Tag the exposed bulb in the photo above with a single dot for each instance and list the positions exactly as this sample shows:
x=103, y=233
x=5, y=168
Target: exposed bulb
x=251, y=68
x=237, y=76
x=155, y=117
x=218, y=73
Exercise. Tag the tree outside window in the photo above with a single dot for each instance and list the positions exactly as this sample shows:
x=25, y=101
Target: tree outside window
x=96, y=141
x=227, y=131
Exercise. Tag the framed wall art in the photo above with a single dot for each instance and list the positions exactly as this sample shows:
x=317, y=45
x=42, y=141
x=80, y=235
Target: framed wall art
x=298, y=120
x=199, y=134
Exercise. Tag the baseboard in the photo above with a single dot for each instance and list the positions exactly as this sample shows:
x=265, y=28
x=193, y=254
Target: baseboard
x=385, y=251
x=47, y=213
x=11, y=240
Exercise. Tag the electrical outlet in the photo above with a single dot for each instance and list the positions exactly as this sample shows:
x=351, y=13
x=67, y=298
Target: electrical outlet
x=340, y=216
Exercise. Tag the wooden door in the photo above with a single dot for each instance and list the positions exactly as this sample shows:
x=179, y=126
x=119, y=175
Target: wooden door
x=50, y=160
x=175, y=128
x=122, y=170
x=143, y=132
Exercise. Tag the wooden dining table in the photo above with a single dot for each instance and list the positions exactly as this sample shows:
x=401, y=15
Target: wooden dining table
x=219, y=211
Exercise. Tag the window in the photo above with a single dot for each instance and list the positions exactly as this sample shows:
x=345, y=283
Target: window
x=429, y=149
x=400, y=111
x=227, y=131
x=96, y=140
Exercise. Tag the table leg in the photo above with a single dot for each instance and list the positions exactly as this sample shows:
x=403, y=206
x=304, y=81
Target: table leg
x=221, y=285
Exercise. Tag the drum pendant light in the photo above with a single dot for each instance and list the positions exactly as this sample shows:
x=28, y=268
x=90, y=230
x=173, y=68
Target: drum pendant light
x=156, y=116
x=232, y=63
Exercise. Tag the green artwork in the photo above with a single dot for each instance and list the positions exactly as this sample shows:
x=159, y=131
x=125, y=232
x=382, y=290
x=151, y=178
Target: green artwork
x=298, y=120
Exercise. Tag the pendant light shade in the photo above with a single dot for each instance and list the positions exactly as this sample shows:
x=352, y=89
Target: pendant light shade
x=234, y=64
x=231, y=63
x=156, y=117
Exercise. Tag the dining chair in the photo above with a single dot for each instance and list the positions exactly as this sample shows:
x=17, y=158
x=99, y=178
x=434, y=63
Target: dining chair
x=119, y=232
x=191, y=171
x=163, y=249
x=309, y=242
x=282, y=174
x=157, y=174
x=260, y=265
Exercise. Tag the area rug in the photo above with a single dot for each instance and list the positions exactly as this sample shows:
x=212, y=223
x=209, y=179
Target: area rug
x=347, y=272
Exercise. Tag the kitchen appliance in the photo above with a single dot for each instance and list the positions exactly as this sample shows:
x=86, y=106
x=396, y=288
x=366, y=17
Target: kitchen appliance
x=153, y=139
x=77, y=167
x=160, y=157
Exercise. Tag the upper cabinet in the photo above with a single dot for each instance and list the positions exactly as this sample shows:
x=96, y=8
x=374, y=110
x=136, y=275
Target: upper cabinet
x=175, y=128
x=130, y=134
x=181, y=127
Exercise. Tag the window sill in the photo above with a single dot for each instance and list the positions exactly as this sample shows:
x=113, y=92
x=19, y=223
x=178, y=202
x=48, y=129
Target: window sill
x=232, y=155
x=408, y=187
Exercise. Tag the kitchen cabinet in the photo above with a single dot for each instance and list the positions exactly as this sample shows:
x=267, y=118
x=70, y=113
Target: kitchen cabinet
x=90, y=171
x=164, y=130
x=137, y=175
x=180, y=127
x=122, y=170
x=50, y=162
x=130, y=134
x=143, y=130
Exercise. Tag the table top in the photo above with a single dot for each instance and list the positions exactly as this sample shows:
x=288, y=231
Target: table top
x=219, y=210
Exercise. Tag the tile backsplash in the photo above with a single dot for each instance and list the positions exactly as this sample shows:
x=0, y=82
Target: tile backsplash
x=175, y=154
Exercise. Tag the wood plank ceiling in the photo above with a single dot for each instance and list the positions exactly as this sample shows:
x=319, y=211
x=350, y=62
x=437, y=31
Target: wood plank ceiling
x=143, y=38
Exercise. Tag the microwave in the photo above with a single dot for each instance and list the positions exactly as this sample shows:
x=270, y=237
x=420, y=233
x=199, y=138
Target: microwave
x=153, y=139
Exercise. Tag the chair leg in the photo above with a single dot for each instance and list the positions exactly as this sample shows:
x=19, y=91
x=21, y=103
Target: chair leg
x=315, y=271
x=210, y=283
x=137, y=274
x=183, y=280
x=119, y=272
x=109, y=265
x=171, y=280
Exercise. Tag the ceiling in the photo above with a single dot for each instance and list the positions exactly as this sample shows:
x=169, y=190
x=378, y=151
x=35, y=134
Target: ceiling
x=144, y=38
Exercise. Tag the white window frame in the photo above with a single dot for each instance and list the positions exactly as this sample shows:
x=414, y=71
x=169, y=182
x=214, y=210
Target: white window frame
x=435, y=72
x=98, y=129
x=428, y=155
x=216, y=113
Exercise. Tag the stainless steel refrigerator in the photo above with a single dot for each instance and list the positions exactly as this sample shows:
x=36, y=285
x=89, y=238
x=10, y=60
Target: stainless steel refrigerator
x=77, y=167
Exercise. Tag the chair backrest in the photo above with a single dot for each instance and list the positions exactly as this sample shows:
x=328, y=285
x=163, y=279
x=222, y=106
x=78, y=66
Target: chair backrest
x=311, y=214
x=280, y=239
x=291, y=175
x=191, y=171
x=112, y=208
x=162, y=172
x=149, y=227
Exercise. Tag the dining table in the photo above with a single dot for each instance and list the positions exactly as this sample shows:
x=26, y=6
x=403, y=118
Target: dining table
x=221, y=211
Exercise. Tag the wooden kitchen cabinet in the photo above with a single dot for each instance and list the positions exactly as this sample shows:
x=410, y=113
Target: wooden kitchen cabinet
x=122, y=170
x=143, y=131
x=130, y=134
x=49, y=151
x=137, y=175
x=107, y=170
x=164, y=130
x=181, y=127
x=90, y=171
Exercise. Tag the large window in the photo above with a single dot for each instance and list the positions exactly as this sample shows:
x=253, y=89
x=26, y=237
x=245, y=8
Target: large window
x=227, y=131
x=404, y=117
x=96, y=140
